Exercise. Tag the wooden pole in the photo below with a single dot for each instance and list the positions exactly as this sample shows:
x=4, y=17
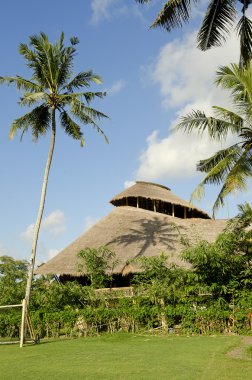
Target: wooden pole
x=22, y=323
x=173, y=213
x=10, y=306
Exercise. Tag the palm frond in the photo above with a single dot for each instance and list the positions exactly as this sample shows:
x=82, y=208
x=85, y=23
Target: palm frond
x=70, y=126
x=83, y=79
x=198, y=193
x=21, y=83
x=218, y=165
x=235, y=121
x=88, y=115
x=38, y=120
x=68, y=98
x=236, y=179
x=29, y=99
x=28, y=54
x=238, y=81
x=242, y=220
x=246, y=136
x=217, y=129
x=174, y=14
x=74, y=40
x=216, y=24
x=244, y=29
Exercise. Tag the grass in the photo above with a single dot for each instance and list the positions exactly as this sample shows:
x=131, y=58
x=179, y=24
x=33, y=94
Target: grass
x=126, y=356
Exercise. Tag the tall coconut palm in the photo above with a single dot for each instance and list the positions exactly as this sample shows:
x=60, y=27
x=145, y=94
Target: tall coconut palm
x=217, y=23
x=232, y=166
x=51, y=90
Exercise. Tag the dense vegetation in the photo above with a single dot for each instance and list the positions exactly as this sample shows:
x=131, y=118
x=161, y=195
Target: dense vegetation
x=213, y=296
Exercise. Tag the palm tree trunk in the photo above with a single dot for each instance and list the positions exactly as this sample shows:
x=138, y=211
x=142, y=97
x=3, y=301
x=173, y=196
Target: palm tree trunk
x=38, y=223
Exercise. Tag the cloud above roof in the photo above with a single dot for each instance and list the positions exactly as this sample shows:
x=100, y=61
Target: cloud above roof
x=185, y=77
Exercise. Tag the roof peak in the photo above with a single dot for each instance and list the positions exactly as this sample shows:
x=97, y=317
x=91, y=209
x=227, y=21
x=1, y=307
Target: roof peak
x=158, y=198
x=153, y=184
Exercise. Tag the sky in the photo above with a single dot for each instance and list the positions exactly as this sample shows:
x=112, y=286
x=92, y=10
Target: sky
x=151, y=78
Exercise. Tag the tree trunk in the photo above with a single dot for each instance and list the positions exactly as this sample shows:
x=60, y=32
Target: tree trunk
x=38, y=222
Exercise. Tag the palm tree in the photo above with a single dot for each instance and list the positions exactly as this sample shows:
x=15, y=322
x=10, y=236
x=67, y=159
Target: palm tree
x=52, y=89
x=217, y=23
x=232, y=166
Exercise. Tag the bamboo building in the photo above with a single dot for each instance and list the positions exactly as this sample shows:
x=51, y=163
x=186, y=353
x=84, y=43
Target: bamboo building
x=147, y=219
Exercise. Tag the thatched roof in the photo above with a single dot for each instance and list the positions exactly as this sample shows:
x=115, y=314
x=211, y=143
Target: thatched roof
x=153, y=191
x=132, y=232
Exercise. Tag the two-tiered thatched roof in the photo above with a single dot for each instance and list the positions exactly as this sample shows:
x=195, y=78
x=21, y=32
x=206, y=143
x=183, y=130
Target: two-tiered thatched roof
x=149, y=219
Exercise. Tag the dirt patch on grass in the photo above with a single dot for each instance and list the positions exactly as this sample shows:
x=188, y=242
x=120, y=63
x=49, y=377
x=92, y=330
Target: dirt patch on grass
x=241, y=351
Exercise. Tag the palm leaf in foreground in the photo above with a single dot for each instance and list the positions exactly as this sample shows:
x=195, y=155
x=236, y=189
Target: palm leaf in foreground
x=232, y=166
x=217, y=23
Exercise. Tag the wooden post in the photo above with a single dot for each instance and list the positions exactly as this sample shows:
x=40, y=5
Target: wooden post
x=137, y=202
x=184, y=212
x=22, y=323
x=154, y=204
x=173, y=212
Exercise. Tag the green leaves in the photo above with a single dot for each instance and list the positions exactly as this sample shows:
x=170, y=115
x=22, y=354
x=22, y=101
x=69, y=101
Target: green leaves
x=174, y=14
x=70, y=127
x=98, y=265
x=217, y=23
x=231, y=166
x=51, y=88
x=38, y=120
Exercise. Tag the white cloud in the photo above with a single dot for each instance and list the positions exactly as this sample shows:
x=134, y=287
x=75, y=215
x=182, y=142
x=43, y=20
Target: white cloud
x=27, y=235
x=109, y=9
x=116, y=87
x=185, y=76
x=106, y=9
x=174, y=156
x=89, y=221
x=54, y=224
x=128, y=184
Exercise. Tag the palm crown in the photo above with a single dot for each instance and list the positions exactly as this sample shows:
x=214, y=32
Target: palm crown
x=51, y=89
x=231, y=166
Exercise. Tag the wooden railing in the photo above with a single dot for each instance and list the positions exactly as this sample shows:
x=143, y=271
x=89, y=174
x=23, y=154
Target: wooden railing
x=126, y=291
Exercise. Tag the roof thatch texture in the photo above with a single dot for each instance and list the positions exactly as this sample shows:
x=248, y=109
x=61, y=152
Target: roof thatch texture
x=154, y=191
x=132, y=232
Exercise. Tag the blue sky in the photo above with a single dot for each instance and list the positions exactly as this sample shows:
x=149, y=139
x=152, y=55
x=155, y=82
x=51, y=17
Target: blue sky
x=151, y=78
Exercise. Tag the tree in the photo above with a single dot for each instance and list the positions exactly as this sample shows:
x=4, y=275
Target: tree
x=224, y=266
x=231, y=166
x=12, y=279
x=98, y=265
x=216, y=25
x=52, y=89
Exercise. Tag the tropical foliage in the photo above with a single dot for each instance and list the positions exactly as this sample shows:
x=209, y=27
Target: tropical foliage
x=98, y=264
x=219, y=20
x=213, y=295
x=232, y=166
x=12, y=280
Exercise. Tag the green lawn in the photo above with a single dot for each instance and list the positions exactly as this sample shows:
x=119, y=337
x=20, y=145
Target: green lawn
x=126, y=356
